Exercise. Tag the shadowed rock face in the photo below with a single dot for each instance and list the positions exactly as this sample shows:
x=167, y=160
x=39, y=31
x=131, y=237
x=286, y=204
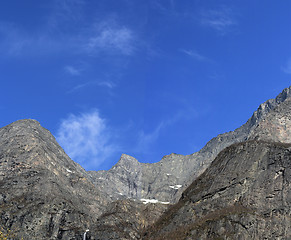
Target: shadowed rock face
x=167, y=179
x=244, y=194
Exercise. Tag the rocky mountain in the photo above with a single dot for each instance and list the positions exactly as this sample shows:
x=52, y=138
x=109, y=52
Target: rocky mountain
x=43, y=193
x=46, y=195
x=236, y=187
x=166, y=180
x=244, y=194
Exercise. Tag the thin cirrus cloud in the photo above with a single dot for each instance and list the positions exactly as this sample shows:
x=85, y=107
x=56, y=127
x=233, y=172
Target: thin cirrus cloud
x=72, y=70
x=221, y=20
x=146, y=140
x=107, y=37
x=86, y=139
x=195, y=55
x=287, y=67
x=17, y=42
x=106, y=84
x=111, y=39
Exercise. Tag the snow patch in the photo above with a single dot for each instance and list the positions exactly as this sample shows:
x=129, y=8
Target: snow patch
x=168, y=174
x=146, y=201
x=68, y=170
x=176, y=186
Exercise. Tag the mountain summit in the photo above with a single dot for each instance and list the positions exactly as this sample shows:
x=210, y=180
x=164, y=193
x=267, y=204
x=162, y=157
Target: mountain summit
x=236, y=187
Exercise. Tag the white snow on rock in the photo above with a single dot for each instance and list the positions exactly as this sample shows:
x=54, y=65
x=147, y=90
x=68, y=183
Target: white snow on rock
x=68, y=170
x=176, y=186
x=146, y=201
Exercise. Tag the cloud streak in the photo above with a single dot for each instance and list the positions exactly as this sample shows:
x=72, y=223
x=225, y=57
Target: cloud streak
x=85, y=138
x=72, y=70
x=221, y=20
x=63, y=31
x=287, y=67
x=195, y=55
x=111, y=39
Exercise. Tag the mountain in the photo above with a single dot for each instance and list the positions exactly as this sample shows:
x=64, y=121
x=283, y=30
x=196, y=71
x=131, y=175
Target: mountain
x=244, y=194
x=166, y=180
x=46, y=195
x=43, y=193
x=236, y=187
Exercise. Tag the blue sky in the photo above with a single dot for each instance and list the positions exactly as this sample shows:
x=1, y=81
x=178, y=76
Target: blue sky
x=145, y=78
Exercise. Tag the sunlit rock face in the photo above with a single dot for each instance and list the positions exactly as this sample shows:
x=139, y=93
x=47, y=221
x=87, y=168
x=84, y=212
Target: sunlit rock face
x=46, y=195
x=276, y=126
x=132, y=179
x=244, y=194
x=233, y=188
x=43, y=193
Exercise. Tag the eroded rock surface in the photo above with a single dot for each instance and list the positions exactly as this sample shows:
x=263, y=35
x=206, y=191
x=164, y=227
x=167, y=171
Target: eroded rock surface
x=166, y=180
x=43, y=193
x=244, y=194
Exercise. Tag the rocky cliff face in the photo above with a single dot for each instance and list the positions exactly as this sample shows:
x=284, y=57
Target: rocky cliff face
x=244, y=194
x=166, y=180
x=43, y=193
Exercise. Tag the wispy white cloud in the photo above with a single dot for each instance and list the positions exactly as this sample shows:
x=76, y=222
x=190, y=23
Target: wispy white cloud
x=64, y=31
x=65, y=15
x=195, y=55
x=110, y=38
x=107, y=84
x=85, y=138
x=287, y=67
x=222, y=20
x=80, y=86
x=146, y=140
x=16, y=42
x=72, y=70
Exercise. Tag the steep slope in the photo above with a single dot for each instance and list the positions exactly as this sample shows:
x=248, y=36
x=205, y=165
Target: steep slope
x=167, y=179
x=244, y=194
x=43, y=193
x=126, y=219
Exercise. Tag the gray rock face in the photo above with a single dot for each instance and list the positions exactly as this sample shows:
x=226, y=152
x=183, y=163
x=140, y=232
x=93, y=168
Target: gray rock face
x=126, y=219
x=167, y=179
x=244, y=194
x=43, y=193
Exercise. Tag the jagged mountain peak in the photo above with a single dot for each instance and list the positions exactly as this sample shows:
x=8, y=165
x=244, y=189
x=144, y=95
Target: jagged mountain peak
x=286, y=93
x=36, y=170
x=126, y=162
x=267, y=106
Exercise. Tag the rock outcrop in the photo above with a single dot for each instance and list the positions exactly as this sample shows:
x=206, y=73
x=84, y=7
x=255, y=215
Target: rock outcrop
x=244, y=194
x=46, y=195
x=166, y=180
x=43, y=193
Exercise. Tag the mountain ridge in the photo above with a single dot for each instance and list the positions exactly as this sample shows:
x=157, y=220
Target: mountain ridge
x=45, y=195
x=178, y=169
